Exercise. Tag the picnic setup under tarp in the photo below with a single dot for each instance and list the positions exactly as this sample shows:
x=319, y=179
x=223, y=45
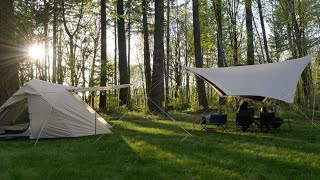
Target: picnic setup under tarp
x=40, y=109
x=273, y=80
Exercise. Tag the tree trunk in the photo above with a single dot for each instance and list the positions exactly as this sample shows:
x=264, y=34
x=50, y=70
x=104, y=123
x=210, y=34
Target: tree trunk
x=123, y=67
x=129, y=53
x=92, y=70
x=306, y=83
x=186, y=58
x=157, y=86
x=168, y=57
x=146, y=50
x=198, y=56
x=265, y=42
x=60, y=68
x=218, y=15
x=9, y=78
x=233, y=12
x=46, y=43
x=250, y=48
x=115, y=78
x=103, y=75
x=221, y=56
x=54, y=43
x=71, y=43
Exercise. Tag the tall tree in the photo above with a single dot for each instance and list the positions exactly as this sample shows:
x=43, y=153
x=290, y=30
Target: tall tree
x=72, y=46
x=198, y=56
x=221, y=56
x=157, y=86
x=146, y=49
x=265, y=42
x=306, y=73
x=9, y=78
x=54, y=43
x=218, y=14
x=123, y=67
x=168, y=57
x=103, y=75
x=250, y=48
x=233, y=9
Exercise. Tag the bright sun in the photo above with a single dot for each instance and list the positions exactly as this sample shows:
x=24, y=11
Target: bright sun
x=36, y=51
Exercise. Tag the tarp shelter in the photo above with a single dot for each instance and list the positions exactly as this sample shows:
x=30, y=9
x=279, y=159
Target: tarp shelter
x=45, y=110
x=274, y=80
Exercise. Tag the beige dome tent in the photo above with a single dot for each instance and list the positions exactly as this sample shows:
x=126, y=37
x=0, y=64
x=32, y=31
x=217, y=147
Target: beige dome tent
x=45, y=110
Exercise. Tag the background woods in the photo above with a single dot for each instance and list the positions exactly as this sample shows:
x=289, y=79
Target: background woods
x=146, y=42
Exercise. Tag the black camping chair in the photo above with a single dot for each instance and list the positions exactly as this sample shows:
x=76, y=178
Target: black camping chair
x=221, y=120
x=244, y=120
x=268, y=122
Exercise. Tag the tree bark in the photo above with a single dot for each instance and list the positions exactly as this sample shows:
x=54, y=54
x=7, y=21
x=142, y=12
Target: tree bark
x=146, y=50
x=168, y=57
x=157, y=86
x=265, y=42
x=54, y=43
x=103, y=75
x=123, y=67
x=9, y=78
x=250, y=48
x=218, y=14
x=198, y=56
x=71, y=43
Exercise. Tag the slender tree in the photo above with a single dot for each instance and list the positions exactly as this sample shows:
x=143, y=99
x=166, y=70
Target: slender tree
x=54, y=42
x=265, y=42
x=123, y=67
x=168, y=57
x=197, y=51
x=103, y=75
x=146, y=49
x=9, y=78
x=157, y=86
x=72, y=46
x=250, y=48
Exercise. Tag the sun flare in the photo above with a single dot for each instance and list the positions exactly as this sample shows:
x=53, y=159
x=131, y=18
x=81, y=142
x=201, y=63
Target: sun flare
x=36, y=51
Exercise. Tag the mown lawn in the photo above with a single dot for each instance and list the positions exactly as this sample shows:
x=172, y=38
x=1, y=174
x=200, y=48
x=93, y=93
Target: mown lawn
x=147, y=147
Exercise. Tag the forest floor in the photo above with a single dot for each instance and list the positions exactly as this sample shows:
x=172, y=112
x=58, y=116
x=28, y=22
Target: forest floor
x=148, y=147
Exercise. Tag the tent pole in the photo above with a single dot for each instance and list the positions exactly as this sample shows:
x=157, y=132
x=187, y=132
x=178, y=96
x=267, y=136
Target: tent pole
x=314, y=92
x=95, y=123
x=42, y=129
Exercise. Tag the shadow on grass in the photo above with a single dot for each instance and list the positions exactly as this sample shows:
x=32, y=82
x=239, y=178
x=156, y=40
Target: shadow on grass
x=73, y=158
x=231, y=152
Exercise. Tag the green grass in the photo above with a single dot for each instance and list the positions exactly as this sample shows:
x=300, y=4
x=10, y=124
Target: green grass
x=147, y=147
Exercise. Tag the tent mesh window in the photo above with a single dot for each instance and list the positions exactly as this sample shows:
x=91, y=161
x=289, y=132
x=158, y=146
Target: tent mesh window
x=15, y=119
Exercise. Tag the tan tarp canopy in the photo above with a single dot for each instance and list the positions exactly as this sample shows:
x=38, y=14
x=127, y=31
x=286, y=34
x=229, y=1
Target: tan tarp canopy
x=275, y=80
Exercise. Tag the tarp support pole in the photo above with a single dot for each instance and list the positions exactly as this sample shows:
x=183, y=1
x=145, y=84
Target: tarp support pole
x=95, y=123
x=314, y=91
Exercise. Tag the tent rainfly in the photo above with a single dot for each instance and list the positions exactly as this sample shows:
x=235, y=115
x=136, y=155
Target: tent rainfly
x=275, y=80
x=45, y=110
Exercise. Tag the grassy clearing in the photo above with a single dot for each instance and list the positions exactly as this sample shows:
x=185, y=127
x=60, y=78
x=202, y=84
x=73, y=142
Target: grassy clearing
x=147, y=147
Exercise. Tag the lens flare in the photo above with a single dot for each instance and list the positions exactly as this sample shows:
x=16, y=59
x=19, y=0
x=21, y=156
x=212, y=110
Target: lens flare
x=36, y=51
